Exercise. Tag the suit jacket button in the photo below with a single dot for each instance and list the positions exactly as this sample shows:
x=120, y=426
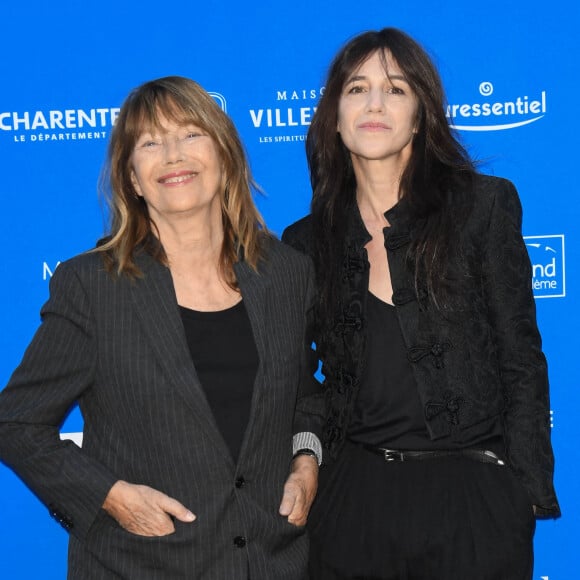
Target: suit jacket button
x=67, y=523
x=240, y=482
x=63, y=520
x=239, y=541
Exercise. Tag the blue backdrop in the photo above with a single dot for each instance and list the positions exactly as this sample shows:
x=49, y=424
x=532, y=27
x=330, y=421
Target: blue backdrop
x=510, y=70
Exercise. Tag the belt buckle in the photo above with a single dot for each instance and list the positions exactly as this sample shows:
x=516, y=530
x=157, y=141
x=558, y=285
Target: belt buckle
x=393, y=455
x=493, y=457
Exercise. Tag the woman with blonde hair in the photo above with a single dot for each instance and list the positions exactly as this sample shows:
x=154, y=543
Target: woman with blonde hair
x=182, y=337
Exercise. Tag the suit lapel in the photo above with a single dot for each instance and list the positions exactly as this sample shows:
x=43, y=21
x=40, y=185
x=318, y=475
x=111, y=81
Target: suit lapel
x=254, y=287
x=156, y=305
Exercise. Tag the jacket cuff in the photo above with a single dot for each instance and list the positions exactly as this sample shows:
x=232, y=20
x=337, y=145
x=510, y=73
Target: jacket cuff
x=307, y=440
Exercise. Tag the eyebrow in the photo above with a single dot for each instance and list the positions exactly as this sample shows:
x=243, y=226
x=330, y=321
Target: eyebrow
x=363, y=77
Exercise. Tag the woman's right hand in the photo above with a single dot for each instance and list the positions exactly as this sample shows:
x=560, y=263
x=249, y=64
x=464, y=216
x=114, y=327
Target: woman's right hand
x=144, y=511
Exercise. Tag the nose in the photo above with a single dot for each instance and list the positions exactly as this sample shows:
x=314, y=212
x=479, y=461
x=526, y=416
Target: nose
x=172, y=151
x=376, y=100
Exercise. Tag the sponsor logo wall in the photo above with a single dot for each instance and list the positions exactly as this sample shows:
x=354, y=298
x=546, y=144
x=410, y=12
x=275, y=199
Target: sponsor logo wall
x=508, y=71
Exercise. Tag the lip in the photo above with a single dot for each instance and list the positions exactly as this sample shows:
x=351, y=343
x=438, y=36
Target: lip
x=177, y=178
x=374, y=126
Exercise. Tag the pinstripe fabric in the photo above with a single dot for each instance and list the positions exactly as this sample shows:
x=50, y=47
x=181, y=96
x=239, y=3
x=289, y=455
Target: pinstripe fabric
x=119, y=349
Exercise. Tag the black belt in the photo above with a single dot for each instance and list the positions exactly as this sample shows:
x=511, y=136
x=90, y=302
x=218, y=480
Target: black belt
x=481, y=455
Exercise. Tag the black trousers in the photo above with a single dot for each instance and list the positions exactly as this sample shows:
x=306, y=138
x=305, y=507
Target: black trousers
x=447, y=518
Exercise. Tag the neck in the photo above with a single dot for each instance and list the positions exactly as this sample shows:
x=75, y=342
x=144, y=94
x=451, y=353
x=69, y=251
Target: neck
x=193, y=240
x=378, y=186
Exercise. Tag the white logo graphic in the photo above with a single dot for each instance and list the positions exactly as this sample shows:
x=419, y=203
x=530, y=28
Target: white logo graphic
x=47, y=271
x=486, y=89
x=498, y=115
x=220, y=100
x=288, y=118
x=76, y=437
x=547, y=254
x=58, y=125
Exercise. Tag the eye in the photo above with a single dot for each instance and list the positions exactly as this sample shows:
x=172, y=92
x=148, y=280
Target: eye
x=148, y=142
x=356, y=89
x=191, y=132
x=395, y=91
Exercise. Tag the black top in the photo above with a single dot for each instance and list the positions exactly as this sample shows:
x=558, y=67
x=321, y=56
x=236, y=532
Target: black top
x=225, y=357
x=388, y=411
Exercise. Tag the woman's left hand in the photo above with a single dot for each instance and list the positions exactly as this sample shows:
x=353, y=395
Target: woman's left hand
x=300, y=490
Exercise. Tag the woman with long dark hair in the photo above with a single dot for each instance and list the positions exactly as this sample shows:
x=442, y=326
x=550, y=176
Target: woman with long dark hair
x=437, y=424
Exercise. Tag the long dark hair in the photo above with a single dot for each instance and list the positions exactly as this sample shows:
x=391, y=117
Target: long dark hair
x=435, y=184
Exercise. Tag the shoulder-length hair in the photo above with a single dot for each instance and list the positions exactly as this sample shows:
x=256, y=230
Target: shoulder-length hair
x=184, y=102
x=439, y=172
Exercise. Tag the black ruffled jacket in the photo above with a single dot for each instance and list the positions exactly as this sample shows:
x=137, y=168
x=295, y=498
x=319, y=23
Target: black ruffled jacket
x=473, y=362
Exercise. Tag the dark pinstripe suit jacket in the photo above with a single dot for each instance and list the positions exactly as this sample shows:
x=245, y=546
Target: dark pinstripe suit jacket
x=118, y=348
